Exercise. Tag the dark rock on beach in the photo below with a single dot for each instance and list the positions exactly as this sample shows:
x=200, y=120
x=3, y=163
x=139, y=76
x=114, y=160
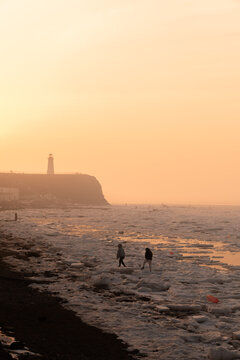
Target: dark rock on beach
x=16, y=345
x=3, y=354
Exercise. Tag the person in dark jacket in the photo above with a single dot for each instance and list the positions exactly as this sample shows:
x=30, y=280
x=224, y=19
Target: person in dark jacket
x=120, y=255
x=148, y=259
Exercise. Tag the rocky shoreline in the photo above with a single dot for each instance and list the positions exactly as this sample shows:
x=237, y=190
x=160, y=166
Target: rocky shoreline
x=37, y=322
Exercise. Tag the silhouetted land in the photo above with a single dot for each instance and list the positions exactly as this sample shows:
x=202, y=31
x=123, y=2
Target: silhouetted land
x=78, y=188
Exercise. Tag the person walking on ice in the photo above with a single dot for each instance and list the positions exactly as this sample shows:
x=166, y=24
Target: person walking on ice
x=120, y=255
x=148, y=259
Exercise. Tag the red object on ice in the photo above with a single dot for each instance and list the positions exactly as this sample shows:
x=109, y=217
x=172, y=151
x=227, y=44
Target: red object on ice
x=213, y=299
x=171, y=253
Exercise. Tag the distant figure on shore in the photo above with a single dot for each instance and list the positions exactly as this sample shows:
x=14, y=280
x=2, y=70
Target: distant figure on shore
x=120, y=255
x=148, y=259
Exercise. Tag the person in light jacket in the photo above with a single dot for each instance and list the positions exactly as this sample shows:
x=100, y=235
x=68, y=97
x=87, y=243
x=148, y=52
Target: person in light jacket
x=148, y=259
x=120, y=255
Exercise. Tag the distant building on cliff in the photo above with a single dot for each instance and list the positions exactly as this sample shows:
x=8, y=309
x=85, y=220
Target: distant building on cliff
x=60, y=188
x=50, y=169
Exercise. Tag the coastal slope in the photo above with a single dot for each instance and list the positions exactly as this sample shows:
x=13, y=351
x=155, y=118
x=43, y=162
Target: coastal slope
x=80, y=188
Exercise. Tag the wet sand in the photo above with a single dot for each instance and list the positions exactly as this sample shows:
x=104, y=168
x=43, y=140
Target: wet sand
x=40, y=323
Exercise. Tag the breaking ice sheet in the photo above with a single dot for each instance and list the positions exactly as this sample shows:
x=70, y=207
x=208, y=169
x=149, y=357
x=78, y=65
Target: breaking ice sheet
x=165, y=314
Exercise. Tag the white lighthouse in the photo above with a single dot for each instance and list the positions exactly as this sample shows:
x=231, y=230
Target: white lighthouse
x=50, y=169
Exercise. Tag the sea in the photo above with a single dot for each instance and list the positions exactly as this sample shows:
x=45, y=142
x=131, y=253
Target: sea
x=164, y=314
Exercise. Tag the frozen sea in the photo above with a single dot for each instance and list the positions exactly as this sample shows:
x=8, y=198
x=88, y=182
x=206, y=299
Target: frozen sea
x=164, y=314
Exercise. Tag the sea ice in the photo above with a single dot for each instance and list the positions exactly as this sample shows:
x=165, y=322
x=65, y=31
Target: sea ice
x=200, y=318
x=236, y=335
x=165, y=314
x=221, y=353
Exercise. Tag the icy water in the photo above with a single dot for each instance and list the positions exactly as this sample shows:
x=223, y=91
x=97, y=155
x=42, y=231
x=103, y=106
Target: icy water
x=165, y=314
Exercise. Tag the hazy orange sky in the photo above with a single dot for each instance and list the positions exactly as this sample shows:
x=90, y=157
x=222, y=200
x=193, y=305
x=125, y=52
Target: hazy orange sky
x=142, y=94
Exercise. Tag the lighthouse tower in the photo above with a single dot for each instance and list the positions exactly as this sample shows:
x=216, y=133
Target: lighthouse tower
x=50, y=169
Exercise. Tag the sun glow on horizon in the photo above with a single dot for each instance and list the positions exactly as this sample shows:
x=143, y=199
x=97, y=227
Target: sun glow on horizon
x=143, y=95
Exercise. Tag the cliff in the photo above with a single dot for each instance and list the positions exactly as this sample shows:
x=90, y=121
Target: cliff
x=78, y=188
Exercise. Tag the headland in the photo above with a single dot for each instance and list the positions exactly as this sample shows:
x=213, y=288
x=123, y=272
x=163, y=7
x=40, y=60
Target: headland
x=39, y=190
